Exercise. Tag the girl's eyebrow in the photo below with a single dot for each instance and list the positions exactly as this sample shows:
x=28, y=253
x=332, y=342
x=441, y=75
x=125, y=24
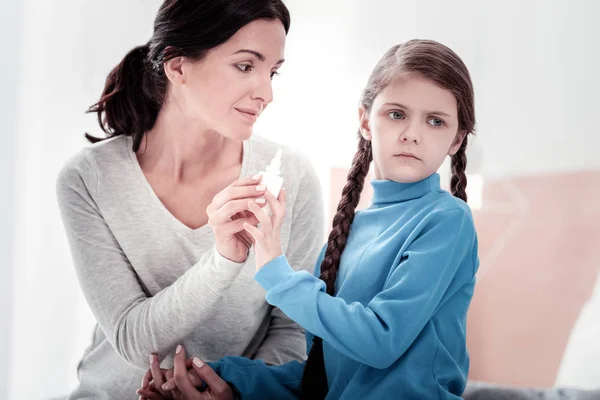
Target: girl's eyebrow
x=407, y=108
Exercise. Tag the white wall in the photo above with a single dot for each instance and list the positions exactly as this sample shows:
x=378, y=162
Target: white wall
x=67, y=49
x=533, y=63
x=9, y=74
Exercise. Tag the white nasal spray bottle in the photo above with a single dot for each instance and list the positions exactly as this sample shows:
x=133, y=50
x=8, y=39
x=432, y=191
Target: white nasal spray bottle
x=272, y=179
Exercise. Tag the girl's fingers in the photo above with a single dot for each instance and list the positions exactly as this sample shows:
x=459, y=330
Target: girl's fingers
x=277, y=207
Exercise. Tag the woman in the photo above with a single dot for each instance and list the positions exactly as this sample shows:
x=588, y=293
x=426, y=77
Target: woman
x=155, y=214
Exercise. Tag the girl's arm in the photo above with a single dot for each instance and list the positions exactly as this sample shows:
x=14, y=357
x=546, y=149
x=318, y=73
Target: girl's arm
x=380, y=332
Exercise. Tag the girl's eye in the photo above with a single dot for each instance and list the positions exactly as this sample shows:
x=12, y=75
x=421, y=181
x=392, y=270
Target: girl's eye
x=274, y=74
x=244, y=67
x=396, y=115
x=436, y=122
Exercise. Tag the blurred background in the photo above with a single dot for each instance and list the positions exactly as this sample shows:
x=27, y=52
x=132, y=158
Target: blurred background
x=534, y=168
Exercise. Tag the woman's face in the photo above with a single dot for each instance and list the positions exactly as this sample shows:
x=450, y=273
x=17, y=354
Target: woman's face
x=228, y=90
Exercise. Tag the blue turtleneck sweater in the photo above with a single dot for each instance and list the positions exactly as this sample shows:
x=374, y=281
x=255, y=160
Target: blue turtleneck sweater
x=397, y=324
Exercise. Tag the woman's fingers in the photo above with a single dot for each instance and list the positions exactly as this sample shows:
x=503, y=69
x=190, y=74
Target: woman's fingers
x=182, y=380
x=225, y=214
x=242, y=189
x=216, y=385
x=247, y=181
x=253, y=231
x=146, y=379
x=157, y=373
x=147, y=394
x=238, y=225
x=261, y=215
x=194, y=378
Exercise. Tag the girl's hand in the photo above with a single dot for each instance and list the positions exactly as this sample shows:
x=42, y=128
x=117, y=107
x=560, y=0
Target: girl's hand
x=267, y=241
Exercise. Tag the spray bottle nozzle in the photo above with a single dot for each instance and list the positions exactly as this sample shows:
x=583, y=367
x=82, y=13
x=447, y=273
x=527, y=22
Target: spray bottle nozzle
x=275, y=164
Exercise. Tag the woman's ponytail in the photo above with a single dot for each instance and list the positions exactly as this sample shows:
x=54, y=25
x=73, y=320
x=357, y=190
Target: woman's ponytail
x=131, y=98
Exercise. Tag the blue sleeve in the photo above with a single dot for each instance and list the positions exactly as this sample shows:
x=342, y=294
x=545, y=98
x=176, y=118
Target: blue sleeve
x=253, y=379
x=379, y=333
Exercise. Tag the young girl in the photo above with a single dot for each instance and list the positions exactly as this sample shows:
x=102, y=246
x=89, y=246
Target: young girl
x=387, y=314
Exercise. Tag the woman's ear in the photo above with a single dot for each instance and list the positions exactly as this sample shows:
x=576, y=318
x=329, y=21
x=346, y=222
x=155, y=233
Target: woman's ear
x=174, y=70
x=458, y=140
x=363, y=118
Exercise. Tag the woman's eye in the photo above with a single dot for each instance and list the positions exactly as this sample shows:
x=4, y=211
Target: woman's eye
x=396, y=115
x=244, y=67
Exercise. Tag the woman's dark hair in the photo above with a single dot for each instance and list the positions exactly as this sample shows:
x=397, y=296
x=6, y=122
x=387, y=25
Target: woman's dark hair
x=442, y=66
x=135, y=89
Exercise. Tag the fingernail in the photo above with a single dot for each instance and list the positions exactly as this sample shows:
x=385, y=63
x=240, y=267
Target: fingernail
x=178, y=349
x=260, y=188
x=151, y=358
x=198, y=363
x=256, y=177
x=260, y=201
x=166, y=386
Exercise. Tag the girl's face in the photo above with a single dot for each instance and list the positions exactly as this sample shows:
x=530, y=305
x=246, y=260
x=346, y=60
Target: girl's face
x=412, y=126
x=228, y=90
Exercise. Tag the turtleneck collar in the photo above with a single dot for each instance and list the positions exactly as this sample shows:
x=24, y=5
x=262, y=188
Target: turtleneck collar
x=387, y=191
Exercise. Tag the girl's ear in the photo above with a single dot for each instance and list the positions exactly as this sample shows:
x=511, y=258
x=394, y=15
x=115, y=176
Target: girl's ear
x=363, y=118
x=460, y=136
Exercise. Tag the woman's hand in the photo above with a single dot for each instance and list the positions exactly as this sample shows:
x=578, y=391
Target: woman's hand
x=267, y=238
x=152, y=383
x=156, y=377
x=216, y=388
x=228, y=213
